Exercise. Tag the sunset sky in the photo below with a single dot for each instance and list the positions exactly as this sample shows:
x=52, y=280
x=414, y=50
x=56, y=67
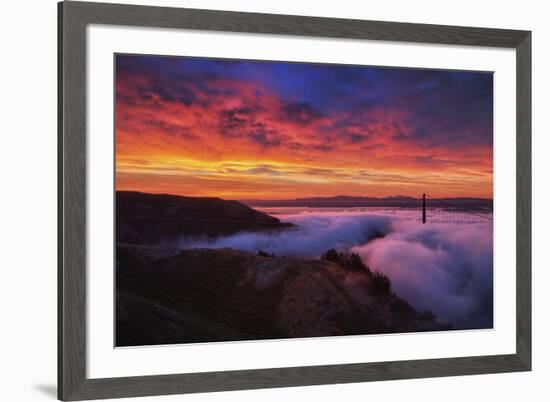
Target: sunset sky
x=276, y=130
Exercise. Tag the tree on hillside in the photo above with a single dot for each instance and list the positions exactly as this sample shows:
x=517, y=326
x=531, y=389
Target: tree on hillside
x=380, y=284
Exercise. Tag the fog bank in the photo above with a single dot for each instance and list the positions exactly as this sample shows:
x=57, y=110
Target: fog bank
x=316, y=232
x=445, y=268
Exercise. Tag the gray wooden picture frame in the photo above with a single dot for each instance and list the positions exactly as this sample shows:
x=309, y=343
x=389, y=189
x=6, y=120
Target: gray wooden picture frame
x=73, y=18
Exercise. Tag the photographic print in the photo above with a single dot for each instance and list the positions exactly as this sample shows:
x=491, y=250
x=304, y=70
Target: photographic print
x=270, y=200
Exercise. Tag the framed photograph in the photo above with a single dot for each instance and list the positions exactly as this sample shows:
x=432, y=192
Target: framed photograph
x=257, y=201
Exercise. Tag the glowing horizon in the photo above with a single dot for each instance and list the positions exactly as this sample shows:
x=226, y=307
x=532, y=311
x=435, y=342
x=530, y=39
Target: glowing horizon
x=275, y=130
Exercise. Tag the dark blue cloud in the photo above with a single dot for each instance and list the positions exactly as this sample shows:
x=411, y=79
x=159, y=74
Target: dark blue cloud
x=448, y=108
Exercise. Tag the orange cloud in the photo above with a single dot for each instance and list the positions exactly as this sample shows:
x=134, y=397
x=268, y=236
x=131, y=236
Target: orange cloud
x=238, y=138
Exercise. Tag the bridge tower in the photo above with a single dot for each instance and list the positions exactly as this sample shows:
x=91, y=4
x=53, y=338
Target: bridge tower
x=423, y=208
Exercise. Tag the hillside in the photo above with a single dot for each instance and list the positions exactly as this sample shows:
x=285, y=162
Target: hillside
x=202, y=295
x=143, y=218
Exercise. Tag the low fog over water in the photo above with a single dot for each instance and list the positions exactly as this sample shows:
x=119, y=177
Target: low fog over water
x=443, y=267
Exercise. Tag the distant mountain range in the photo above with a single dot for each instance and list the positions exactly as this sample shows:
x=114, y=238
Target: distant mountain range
x=354, y=201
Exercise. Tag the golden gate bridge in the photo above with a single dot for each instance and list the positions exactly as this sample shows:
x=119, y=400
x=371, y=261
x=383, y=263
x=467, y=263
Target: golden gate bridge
x=428, y=209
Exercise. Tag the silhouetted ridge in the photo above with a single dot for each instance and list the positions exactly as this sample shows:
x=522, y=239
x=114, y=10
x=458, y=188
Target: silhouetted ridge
x=143, y=218
x=206, y=295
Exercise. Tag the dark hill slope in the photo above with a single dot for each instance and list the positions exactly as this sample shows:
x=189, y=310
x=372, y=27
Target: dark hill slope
x=143, y=218
x=206, y=295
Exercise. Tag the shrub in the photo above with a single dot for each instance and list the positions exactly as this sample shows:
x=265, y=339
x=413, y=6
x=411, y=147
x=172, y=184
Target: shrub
x=262, y=253
x=332, y=256
x=356, y=263
x=349, y=261
x=380, y=284
x=427, y=315
x=401, y=307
